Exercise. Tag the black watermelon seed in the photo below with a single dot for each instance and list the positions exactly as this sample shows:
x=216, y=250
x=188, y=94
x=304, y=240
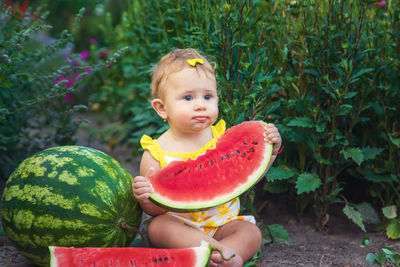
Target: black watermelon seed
x=245, y=143
x=160, y=259
x=222, y=158
x=244, y=154
x=227, y=156
x=255, y=143
x=201, y=166
x=155, y=260
x=238, y=151
x=165, y=258
x=211, y=163
x=252, y=149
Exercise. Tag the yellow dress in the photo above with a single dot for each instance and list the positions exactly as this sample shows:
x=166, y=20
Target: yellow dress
x=208, y=220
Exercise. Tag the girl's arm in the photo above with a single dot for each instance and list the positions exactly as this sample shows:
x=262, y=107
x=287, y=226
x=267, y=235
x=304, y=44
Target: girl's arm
x=142, y=187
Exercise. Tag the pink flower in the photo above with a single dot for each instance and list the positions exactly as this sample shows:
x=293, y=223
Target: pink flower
x=85, y=54
x=68, y=83
x=68, y=98
x=93, y=41
x=380, y=4
x=103, y=54
x=88, y=71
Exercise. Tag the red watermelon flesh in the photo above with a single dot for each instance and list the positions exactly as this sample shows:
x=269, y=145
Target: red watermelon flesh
x=129, y=256
x=239, y=160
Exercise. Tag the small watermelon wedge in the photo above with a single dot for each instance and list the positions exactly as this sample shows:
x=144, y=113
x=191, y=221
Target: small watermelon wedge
x=239, y=160
x=130, y=256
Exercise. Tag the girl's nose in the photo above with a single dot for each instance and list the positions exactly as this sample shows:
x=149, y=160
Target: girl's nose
x=199, y=104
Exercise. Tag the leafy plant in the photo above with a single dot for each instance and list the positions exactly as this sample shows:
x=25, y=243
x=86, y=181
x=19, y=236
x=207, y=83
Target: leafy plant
x=333, y=58
x=393, y=226
x=36, y=84
x=387, y=256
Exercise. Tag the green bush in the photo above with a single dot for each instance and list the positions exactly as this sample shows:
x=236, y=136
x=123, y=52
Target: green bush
x=340, y=81
x=36, y=86
x=325, y=72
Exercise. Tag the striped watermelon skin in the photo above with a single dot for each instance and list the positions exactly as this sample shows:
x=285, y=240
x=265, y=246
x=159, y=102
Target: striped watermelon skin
x=68, y=196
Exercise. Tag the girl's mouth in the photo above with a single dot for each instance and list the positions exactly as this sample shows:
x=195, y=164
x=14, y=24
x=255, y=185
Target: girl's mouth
x=200, y=118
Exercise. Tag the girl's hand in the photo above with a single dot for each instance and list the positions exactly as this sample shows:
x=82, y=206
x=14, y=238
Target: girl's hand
x=142, y=187
x=272, y=136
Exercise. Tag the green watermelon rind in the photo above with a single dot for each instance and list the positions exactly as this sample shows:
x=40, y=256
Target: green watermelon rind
x=42, y=205
x=169, y=204
x=203, y=254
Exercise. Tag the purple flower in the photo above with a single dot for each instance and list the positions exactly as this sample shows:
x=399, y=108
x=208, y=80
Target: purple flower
x=93, y=41
x=85, y=54
x=74, y=63
x=380, y=4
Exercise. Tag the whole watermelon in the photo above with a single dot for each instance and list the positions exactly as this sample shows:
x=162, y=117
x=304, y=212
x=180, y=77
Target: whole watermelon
x=69, y=196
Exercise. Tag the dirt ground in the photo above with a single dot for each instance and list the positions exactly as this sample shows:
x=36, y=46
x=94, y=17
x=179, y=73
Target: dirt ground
x=339, y=246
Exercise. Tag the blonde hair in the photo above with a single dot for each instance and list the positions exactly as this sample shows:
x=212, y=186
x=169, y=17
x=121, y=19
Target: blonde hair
x=175, y=61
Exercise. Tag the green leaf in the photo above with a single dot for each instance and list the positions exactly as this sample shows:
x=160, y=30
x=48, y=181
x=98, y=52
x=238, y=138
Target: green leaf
x=350, y=95
x=243, y=44
x=380, y=258
x=388, y=251
x=390, y=212
x=280, y=173
x=368, y=213
x=276, y=187
x=301, y=122
x=355, y=77
x=394, y=140
x=366, y=241
x=355, y=153
x=371, y=258
x=354, y=216
x=278, y=233
x=307, y=182
x=393, y=229
x=312, y=72
x=396, y=258
x=377, y=178
x=343, y=110
x=371, y=152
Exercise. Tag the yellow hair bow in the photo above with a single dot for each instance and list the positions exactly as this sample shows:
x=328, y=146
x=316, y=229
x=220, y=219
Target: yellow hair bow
x=192, y=62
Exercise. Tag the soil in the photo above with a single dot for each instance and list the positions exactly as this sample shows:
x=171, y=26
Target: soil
x=339, y=245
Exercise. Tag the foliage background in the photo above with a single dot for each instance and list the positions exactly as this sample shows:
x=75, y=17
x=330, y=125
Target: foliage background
x=325, y=72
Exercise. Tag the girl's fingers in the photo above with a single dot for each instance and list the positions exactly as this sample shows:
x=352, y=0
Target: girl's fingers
x=141, y=188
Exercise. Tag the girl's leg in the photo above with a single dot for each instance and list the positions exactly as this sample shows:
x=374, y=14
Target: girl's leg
x=242, y=237
x=168, y=232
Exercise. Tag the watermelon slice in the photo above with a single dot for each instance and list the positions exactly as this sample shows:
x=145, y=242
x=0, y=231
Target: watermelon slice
x=129, y=256
x=239, y=160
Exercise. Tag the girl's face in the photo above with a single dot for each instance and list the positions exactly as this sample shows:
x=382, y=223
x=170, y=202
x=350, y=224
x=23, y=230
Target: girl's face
x=190, y=100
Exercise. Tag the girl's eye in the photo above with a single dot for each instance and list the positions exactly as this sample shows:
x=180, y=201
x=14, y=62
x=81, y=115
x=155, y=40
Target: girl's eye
x=188, y=97
x=207, y=97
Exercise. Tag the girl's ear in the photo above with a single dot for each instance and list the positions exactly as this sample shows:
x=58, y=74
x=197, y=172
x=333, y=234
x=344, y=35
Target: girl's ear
x=158, y=106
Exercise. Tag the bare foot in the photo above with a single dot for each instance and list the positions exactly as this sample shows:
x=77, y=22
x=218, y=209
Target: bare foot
x=218, y=260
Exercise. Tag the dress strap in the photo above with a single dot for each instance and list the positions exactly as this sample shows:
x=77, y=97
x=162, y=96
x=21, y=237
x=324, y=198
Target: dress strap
x=154, y=148
x=160, y=155
x=219, y=129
